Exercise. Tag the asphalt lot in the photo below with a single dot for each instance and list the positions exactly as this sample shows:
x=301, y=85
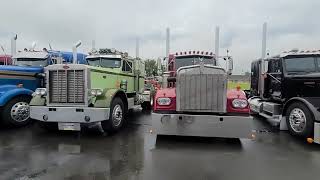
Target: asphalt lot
x=32, y=153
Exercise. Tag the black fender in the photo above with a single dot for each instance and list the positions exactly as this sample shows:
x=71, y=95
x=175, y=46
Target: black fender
x=310, y=102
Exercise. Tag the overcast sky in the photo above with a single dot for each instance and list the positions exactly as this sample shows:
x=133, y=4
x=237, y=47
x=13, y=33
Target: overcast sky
x=117, y=23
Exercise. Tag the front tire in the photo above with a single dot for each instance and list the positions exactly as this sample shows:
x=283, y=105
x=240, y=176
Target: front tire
x=16, y=113
x=300, y=120
x=116, y=117
x=146, y=106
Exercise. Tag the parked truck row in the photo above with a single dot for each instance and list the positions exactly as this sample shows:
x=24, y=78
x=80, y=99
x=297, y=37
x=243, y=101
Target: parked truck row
x=70, y=90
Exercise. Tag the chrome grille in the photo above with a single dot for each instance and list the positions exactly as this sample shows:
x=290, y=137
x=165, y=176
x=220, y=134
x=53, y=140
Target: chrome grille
x=67, y=86
x=201, y=89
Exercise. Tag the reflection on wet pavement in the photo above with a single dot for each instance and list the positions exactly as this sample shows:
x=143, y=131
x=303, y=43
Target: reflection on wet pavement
x=31, y=153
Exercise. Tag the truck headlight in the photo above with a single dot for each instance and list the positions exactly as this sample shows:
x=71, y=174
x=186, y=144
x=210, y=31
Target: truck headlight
x=239, y=103
x=96, y=92
x=40, y=91
x=164, y=101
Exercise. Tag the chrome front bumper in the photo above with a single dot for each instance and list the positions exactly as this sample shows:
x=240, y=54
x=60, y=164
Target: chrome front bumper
x=69, y=114
x=202, y=125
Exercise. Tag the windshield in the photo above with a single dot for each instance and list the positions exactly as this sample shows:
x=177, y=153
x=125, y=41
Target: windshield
x=303, y=64
x=105, y=62
x=188, y=61
x=31, y=62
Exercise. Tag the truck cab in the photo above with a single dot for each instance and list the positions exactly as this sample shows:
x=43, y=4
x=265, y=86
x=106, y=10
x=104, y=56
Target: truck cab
x=285, y=90
x=5, y=60
x=19, y=81
x=78, y=95
x=194, y=99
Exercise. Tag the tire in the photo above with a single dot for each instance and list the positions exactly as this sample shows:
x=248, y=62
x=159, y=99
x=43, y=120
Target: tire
x=146, y=106
x=48, y=126
x=16, y=113
x=300, y=120
x=116, y=117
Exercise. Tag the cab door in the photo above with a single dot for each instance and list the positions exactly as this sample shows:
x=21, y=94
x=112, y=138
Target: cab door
x=274, y=79
x=128, y=75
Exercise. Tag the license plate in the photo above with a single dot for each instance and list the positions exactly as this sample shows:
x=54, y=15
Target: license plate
x=69, y=126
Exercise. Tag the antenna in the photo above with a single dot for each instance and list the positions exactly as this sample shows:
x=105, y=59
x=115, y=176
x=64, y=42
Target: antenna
x=137, y=47
x=33, y=45
x=50, y=47
x=93, y=44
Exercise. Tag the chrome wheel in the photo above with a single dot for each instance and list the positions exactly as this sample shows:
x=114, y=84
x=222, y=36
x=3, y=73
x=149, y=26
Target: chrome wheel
x=297, y=120
x=20, y=111
x=117, y=115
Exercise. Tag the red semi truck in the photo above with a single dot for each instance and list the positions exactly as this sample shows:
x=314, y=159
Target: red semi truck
x=5, y=60
x=194, y=99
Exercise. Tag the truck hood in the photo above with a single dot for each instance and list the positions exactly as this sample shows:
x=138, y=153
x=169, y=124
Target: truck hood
x=28, y=69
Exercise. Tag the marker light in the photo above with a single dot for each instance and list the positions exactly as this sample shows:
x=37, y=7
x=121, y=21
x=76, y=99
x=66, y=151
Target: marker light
x=194, y=52
x=164, y=101
x=201, y=52
x=211, y=53
x=180, y=53
x=239, y=103
x=189, y=52
x=207, y=53
x=177, y=54
x=198, y=52
x=185, y=52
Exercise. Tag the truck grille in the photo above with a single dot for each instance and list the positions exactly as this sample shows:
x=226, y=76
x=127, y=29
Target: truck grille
x=67, y=86
x=201, y=89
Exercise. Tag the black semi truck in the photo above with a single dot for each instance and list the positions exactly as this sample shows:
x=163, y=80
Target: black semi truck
x=285, y=89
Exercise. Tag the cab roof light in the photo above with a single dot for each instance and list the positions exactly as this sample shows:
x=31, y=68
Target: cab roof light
x=177, y=54
x=180, y=53
x=202, y=52
x=185, y=52
x=189, y=52
x=194, y=52
x=207, y=53
x=211, y=53
x=198, y=52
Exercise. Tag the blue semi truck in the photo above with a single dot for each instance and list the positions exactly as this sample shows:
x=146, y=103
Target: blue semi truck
x=18, y=82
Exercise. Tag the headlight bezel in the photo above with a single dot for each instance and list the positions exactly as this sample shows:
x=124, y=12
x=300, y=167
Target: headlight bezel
x=239, y=103
x=40, y=92
x=96, y=92
x=164, y=101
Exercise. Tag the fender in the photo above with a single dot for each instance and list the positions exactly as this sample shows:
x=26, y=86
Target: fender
x=7, y=92
x=310, y=102
x=104, y=101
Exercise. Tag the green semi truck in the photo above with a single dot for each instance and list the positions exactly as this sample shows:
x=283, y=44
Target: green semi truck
x=101, y=91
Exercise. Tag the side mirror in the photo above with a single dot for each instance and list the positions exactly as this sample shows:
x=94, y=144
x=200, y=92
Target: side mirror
x=230, y=65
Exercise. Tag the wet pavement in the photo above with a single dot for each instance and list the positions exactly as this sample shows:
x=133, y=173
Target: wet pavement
x=32, y=153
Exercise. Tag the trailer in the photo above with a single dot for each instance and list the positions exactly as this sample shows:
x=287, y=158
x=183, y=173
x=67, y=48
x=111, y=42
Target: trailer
x=285, y=89
x=78, y=95
x=194, y=99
